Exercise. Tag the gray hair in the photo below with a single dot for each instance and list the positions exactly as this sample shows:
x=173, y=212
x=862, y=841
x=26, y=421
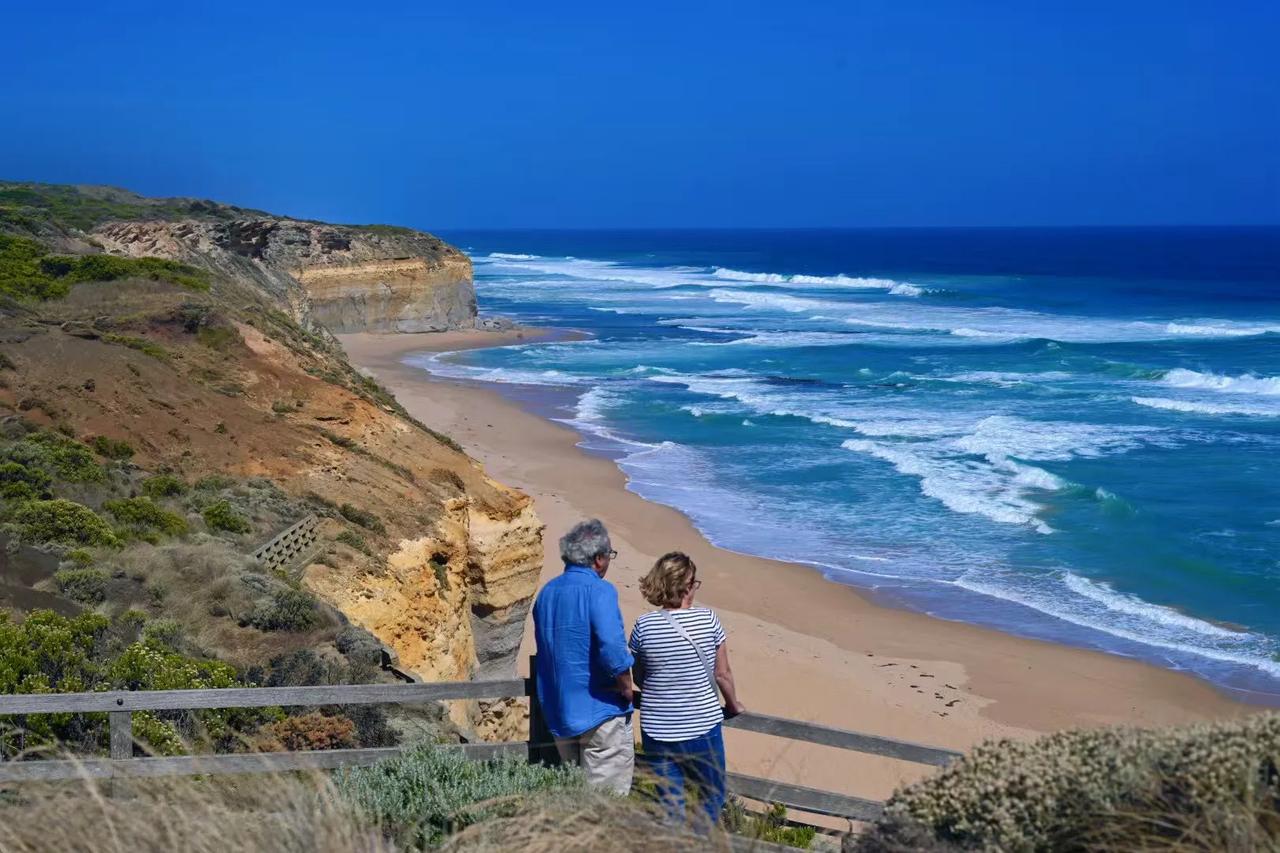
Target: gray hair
x=586, y=541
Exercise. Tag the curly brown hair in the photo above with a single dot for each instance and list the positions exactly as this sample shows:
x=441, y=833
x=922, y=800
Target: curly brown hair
x=667, y=582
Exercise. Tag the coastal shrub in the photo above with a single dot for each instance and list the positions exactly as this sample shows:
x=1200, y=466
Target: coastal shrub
x=313, y=730
x=288, y=610
x=143, y=518
x=420, y=796
x=220, y=515
x=365, y=519
x=62, y=522
x=22, y=482
x=87, y=586
x=27, y=271
x=111, y=448
x=352, y=540
x=163, y=486
x=58, y=456
x=1117, y=788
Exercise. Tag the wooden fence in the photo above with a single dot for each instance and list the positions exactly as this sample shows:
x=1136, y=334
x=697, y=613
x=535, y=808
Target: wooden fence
x=120, y=705
x=292, y=544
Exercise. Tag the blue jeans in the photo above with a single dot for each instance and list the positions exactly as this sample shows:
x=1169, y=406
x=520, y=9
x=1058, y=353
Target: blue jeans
x=697, y=763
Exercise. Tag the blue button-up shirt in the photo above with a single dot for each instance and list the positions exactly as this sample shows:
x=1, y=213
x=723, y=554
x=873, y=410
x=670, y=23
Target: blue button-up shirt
x=582, y=649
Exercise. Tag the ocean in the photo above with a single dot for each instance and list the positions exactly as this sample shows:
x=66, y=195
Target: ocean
x=1067, y=434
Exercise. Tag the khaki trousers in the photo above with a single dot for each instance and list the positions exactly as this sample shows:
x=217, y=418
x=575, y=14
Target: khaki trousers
x=606, y=753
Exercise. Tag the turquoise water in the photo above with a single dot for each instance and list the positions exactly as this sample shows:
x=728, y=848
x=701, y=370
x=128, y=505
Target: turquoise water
x=1066, y=434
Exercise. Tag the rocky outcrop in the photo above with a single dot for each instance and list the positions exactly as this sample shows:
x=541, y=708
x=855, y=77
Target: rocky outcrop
x=343, y=278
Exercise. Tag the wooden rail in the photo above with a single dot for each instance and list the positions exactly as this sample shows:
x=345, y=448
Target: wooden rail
x=120, y=705
x=294, y=542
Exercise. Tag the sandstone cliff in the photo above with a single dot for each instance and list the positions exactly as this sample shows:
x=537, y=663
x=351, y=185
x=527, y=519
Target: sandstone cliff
x=345, y=279
x=441, y=563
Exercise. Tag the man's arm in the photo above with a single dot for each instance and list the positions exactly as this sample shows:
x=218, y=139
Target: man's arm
x=611, y=640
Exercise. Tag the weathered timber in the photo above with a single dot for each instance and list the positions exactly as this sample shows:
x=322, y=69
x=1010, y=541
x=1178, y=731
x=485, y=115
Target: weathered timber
x=264, y=762
x=805, y=799
x=258, y=697
x=842, y=738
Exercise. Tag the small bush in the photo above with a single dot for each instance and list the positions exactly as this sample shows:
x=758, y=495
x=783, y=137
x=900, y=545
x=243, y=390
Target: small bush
x=1115, y=789
x=367, y=520
x=351, y=540
x=288, y=610
x=58, y=456
x=142, y=517
x=62, y=522
x=21, y=482
x=111, y=448
x=420, y=796
x=80, y=557
x=222, y=516
x=87, y=586
x=163, y=486
x=214, y=483
x=283, y=407
x=307, y=731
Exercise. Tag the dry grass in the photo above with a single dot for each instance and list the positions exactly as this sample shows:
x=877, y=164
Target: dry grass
x=272, y=814
x=580, y=821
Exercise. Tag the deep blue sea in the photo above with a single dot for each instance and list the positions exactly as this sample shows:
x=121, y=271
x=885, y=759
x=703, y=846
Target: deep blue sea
x=1070, y=434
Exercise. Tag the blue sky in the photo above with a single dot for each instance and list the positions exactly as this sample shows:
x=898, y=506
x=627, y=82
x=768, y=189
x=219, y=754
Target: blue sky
x=658, y=114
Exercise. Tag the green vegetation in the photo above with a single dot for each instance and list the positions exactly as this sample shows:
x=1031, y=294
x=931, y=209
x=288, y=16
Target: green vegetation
x=62, y=522
x=1205, y=787
x=142, y=345
x=220, y=515
x=163, y=486
x=49, y=653
x=284, y=407
x=143, y=518
x=87, y=586
x=367, y=520
x=420, y=796
x=28, y=272
x=57, y=456
x=111, y=448
x=30, y=205
x=351, y=540
x=771, y=826
x=19, y=482
x=288, y=610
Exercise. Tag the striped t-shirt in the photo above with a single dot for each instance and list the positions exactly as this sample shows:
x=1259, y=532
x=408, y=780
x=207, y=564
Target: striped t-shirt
x=678, y=702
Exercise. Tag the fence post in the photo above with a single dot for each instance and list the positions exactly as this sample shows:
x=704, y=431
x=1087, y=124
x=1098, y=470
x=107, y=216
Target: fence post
x=542, y=748
x=121, y=746
x=121, y=734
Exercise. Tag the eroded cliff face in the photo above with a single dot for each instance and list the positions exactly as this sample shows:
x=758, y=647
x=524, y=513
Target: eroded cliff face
x=342, y=278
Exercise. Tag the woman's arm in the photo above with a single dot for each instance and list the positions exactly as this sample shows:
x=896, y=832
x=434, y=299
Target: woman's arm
x=724, y=678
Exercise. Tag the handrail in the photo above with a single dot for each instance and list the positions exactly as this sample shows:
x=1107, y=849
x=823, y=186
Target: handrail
x=120, y=705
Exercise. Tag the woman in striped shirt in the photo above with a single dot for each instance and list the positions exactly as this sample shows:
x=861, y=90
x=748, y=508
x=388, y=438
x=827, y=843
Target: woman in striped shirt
x=681, y=657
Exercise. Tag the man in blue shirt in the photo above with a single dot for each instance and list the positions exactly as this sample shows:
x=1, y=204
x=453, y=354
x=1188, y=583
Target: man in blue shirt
x=584, y=666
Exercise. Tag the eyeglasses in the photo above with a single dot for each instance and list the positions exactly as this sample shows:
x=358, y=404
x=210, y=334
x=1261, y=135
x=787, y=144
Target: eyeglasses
x=612, y=555
x=696, y=585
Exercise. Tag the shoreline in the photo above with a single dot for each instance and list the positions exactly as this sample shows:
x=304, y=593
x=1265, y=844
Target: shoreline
x=802, y=646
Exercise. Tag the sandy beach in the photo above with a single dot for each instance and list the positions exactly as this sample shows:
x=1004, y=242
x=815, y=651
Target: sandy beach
x=801, y=646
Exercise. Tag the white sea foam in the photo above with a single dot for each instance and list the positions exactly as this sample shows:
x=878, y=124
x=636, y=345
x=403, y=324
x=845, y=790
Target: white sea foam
x=898, y=288
x=1244, y=384
x=1120, y=602
x=1081, y=602
x=1201, y=407
x=440, y=366
x=511, y=256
